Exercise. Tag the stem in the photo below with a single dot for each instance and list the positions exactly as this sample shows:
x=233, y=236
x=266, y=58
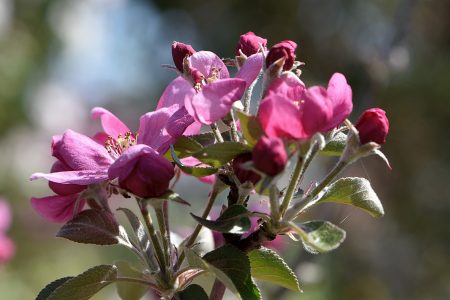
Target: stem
x=163, y=227
x=153, y=237
x=274, y=205
x=233, y=128
x=193, y=237
x=216, y=133
x=298, y=207
x=292, y=184
x=218, y=290
x=246, y=99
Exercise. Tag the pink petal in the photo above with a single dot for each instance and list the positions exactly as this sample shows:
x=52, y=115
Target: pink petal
x=5, y=216
x=152, y=129
x=287, y=85
x=280, y=117
x=207, y=62
x=181, y=122
x=214, y=101
x=317, y=110
x=100, y=137
x=176, y=92
x=340, y=94
x=63, y=189
x=57, y=208
x=251, y=68
x=7, y=249
x=111, y=124
x=80, y=152
x=124, y=165
x=83, y=177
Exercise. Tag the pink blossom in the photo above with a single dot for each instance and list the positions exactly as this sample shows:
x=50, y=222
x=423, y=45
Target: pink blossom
x=373, y=126
x=284, y=49
x=269, y=155
x=179, y=52
x=249, y=44
x=211, y=99
x=289, y=110
x=7, y=247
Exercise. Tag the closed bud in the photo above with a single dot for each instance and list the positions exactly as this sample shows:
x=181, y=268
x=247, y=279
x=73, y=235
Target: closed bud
x=269, y=155
x=249, y=43
x=179, y=52
x=284, y=49
x=373, y=126
x=241, y=172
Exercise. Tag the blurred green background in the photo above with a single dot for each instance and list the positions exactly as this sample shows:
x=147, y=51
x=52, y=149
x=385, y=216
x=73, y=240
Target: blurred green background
x=58, y=59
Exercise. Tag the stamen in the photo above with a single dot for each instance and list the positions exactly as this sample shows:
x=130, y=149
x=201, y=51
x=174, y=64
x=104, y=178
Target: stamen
x=116, y=147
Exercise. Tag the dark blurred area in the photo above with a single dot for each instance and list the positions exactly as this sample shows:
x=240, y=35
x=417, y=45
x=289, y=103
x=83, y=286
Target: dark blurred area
x=58, y=59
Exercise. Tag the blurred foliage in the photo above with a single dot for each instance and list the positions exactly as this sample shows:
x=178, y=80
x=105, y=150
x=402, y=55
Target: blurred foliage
x=395, y=54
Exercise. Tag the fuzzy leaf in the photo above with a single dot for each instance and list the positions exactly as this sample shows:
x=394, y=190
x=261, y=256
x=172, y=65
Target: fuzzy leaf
x=268, y=266
x=85, y=285
x=233, y=220
x=336, y=145
x=91, y=227
x=51, y=287
x=184, y=147
x=250, y=127
x=354, y=191
x=216, y=155
x=129, y=290
x=319, y=236
x=194, y=171
x=193, y=291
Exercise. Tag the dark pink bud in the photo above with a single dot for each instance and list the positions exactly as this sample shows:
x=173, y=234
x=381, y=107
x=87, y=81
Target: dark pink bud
x=373, y=126
x=269, y=155
x=241, y=173
x=142, y=171
x=249, y=43
x=179, y=52
x=284, y=49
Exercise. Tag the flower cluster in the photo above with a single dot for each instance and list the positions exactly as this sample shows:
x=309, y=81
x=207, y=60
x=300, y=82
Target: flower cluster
x=203, y=127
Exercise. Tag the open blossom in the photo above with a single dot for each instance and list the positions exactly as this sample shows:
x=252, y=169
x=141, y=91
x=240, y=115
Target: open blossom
x=289, y=110
x=7, y=248
x=373, y=126
x=249, y=43
x=209, y=95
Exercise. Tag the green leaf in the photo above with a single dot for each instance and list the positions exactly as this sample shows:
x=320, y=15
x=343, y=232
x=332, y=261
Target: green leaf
x=319, y=236
x=336, y=145
x=250, y=127
x=233, y=220
x=354, y=191
x=51, y=287
x=129, y=290
x=231, y=266
x=85, y=285
x=268, y=266
x=216, y=155
x=193, y=291
x=194, y=171
x=91, y=227
x=185, y=147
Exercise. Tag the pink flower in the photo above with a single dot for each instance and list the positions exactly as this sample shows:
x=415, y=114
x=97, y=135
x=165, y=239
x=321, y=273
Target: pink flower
x=291, y=111
x=7, y=248
x=373, y=126
x=179, y=52
x=249, y=43
x=284, y=49
x=211, y=99
x=269, y=155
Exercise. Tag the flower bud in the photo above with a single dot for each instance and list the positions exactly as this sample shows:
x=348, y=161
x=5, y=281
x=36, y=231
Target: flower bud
x=142, y=171
x=179, y=52
x=269, y=155
x=249, y=43
x=284, y=49
x=241, y=173
x=373, y=126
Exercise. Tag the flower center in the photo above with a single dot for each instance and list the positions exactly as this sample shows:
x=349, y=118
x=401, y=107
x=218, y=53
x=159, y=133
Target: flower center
x=116, y=147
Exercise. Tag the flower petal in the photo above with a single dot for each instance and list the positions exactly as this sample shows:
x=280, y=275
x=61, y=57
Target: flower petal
x=57, y=208
x=110, y=123
x=287, y=85
x=125, y=163
x=215, y=100
x=317, y=110
x=80, y=152
x=280, y=117
x=152, y=129
x=181, y=122
x=7, y=248
x=63, y=189
x=5, y=216
x=83, y=177
x=176, y=92
x=251, y=68
x=208, y=63
x=340, y=94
